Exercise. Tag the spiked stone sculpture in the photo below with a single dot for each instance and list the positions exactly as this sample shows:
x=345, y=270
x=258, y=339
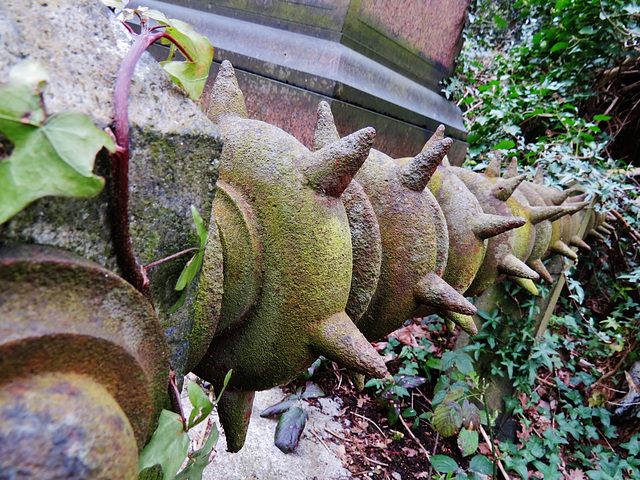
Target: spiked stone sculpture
x=287, y=257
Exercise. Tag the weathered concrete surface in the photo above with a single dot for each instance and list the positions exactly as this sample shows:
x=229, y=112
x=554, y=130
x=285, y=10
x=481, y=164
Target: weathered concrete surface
x=260, y=459
x=175, y=148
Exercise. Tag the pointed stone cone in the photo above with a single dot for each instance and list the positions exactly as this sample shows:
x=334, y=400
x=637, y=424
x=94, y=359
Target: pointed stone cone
x=596, y=235
x=538, y=214
x=511, y=265
x=539, y=177
x=450, y=325
x=540, y=268
x=437, y=136
x=608, y=226
x=577, y=198
x=486, y=225
x=331, y=169
x=526, y=284
x=603, y=230
x=563, y=249
x=234, y=411
x=512, y=169
x=446, y=162
x=569, y=209
x=435, y=292
x=226, y=97
x=416, y=173
x=358, y=380
x=465, y=321
x=576, y=241
x=610, y=216
x=338, y=339
x=326, y=131
x=495, y=165
x=505, y=187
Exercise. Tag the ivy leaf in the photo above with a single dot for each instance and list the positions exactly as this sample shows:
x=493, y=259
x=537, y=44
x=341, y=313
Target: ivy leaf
x=199, y=459
x=467, y=442
x=202, y=407
x=289, y=429
x=559, y=46
x=168, y=446
x=632, y=446
x=505, y=145
x=191, y=76
x=481, y=464
x=444, y=464
x=447, y=418
x=500, y=22
x=51, y=155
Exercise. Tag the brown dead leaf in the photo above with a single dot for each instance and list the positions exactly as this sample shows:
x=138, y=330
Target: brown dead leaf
x=410, y=452
x=341, y=451
x=575, y=474
x=362, y=399
x=484, y=449
x=404, y=336
x=422, y=475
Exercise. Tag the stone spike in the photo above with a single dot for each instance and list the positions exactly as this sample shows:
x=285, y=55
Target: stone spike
x=505, y=187
x=226, y=97
x=540, y=268
x=331, y=169
x=416, y=173
x=495, y=165
x=569, y=209
x=526, y=284
x=603, y=230
x=435, y=292
x=358, y=380
x=511, y=265
x=538, y=214
x=446, y=162
x=539, y=176
x=577, y=198
x=234, y=411
x=610, y=216
x=437, y=136
x=512, y=169
x=338, y=339
x=487, y=225
x=465, y=321
x=326, y=131
x=609, y=226
x=595, y=234
x=563, y=249
x=576, y=241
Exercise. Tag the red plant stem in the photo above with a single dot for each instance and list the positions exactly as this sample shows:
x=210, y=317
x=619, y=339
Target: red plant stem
x=170, y=257
x=131, y=271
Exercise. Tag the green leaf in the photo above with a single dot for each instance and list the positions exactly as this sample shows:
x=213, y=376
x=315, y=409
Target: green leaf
x=117, y=4
x=201, y=228
x=199, y=459
x=447, y=418
x=191, y=76
x=190, y=271
x=312, y=391
x=51, y=156
x=559, y=46
x=467, y=442
x=289, y=429
x=280, y=407
x=444, y=464
x=500, y=22
x=632, y=446
x=202, y=407
x=470, y=415
x=601, y=118
x=481, y=464
x=168, y=446
x=505, y=145
x=408, y=381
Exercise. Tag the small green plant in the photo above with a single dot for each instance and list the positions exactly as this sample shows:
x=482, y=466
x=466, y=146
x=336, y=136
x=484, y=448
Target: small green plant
x=41, y=154
x=169, y=445
x=292, y=418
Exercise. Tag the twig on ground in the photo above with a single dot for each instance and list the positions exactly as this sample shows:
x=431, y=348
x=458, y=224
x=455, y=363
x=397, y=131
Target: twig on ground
x=344, y=439
x=411, y=434
x=495, y=453
x=382, y=464
x=370, y=421
x=321, y=441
